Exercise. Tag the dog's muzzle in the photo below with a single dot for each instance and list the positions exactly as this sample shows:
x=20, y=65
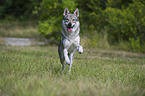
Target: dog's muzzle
x=69, y=27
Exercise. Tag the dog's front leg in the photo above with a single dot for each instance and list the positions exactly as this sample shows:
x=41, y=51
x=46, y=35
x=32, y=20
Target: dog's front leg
x=78, y=46
x=71, y=61
x=66, y=56
x=80, y=49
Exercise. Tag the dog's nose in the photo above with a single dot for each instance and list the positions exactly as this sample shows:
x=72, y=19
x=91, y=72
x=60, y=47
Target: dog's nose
x=69, y=24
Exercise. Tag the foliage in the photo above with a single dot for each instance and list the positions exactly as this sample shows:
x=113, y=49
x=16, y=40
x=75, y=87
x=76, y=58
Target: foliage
x=17, y=9
x=123, y=20
x=127, y=24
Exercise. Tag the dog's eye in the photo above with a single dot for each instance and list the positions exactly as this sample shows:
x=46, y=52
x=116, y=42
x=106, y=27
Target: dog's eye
x=67, y=20
x=73, y=20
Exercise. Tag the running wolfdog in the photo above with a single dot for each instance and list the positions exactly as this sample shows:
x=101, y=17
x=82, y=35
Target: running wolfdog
x=70, y=39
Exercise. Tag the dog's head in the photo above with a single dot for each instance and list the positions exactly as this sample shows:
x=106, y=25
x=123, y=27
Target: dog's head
x=71, y=21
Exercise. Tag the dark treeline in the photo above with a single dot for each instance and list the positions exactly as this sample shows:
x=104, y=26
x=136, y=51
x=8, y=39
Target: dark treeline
x=18, y=9
x=110, y=22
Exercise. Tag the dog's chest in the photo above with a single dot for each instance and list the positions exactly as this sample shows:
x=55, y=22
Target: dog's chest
x=70, y=45
x=72, y=48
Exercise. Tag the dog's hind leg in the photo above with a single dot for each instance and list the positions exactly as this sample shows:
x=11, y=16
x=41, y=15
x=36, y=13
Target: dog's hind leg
x=62, y=62
x=61, y=56
x=71, y=61
x=63, y=66
x=66, y=56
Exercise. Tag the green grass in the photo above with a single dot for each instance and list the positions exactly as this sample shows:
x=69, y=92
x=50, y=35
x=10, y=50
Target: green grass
x=36, y=71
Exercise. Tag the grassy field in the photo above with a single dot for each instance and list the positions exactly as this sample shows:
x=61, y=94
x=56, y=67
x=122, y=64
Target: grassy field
x=36, y=71
x=19, y=29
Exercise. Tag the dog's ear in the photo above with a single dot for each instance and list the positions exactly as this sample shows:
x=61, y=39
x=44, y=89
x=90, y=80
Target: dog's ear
x=65, y=11
x=76, y=12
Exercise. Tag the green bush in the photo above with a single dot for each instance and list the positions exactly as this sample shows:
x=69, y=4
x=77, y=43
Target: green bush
x=135, y=44
x=127, y=24
x=18, y=9
x=124, y=21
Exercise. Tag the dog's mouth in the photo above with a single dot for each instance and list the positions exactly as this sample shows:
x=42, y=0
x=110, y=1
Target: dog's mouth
x=69, y=29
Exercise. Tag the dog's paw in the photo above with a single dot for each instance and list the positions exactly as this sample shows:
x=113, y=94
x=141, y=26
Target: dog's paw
x=80, y=49
x=68, y=62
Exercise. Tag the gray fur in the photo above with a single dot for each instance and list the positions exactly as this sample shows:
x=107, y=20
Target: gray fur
x=70, y=39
